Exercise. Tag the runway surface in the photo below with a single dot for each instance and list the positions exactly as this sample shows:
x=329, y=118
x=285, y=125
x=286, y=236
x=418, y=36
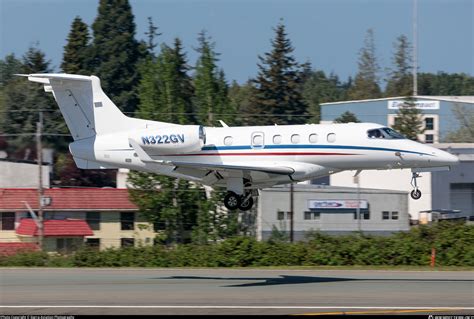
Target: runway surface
x=234, y=291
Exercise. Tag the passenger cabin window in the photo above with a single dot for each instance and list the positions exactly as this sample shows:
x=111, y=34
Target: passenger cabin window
x=331, y=138
x=228, y=140
x=385, y=132
x=257, y=140
x=277, y=139
x=313, y=138
x=295, y=138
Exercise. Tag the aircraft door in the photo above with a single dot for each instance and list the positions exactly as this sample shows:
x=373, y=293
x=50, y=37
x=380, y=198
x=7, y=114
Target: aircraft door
x=257, y=140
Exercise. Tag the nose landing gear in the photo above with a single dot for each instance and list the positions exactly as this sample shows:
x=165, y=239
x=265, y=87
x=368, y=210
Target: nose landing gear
x=415, y=193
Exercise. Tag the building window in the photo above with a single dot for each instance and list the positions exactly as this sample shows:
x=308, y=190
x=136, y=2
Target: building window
x=127, y=221
x=8, y=221
x=429, y=123
x=93, y=242
x=66, y=245
x=397, y=121
x=295, y=138
x=93, y=219
x=313, y=138
x=385, y=215
x=127, y=242
x=309, y=215
x=429, y=138
x=280, y=215
x=331, y=138
x=277, y=139
x=394, y=215
x=363, y=215
x=228, y=140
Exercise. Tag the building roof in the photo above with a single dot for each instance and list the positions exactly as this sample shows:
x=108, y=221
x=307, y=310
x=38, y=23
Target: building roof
x=67, y=199
x=458, y=99
x=7, y=249
x=65, y=227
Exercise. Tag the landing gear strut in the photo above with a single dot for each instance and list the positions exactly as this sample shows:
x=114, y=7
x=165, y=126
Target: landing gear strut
x=415, y=193
x=244, y=202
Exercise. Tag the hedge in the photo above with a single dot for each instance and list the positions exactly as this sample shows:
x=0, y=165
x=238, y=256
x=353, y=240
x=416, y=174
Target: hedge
x=454, y=243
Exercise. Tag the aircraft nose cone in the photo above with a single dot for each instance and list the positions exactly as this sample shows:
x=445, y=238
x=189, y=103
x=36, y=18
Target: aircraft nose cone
x=447, y=158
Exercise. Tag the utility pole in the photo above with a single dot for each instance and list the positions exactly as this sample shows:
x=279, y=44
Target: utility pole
x=415, y=48
x=39, y=152
x=292, y=215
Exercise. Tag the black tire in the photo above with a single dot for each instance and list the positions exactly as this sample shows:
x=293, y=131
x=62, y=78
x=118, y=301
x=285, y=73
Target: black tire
x=246, y=205
x=232, y=201
x=415, y=194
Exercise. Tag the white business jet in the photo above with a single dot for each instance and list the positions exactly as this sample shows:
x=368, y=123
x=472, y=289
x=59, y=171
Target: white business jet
x=242, y=159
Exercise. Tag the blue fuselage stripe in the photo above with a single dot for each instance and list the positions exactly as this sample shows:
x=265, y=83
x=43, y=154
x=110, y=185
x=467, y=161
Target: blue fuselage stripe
x=306, y=146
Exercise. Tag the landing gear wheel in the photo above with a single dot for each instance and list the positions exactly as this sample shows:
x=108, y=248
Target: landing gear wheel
x=415, y=194
x=246, y=204
x=232, y=201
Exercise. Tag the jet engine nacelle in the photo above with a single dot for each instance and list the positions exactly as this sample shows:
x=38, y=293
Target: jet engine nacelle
x=171, y=139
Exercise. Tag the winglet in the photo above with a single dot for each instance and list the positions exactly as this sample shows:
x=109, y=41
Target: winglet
x=223, y=123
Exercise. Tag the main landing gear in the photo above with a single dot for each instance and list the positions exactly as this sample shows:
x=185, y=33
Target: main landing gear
x=415, y=193
x=244, y=202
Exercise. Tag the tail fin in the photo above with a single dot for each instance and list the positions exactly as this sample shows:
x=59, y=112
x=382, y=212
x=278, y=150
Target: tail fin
x=84, y=106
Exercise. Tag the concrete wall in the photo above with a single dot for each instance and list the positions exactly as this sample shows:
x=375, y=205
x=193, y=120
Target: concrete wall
x=21, y=175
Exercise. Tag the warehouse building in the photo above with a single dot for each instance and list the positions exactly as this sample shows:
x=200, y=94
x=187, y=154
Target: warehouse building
x=438, y=112
x=331, y=210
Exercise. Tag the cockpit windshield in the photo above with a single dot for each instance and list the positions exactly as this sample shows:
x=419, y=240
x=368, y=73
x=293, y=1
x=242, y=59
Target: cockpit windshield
x=385, y=132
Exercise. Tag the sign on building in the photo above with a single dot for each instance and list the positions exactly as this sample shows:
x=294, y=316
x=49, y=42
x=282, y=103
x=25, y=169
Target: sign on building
x=422, y=105
x=337, y=204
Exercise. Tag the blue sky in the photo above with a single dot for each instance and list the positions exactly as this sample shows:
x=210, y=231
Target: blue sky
x=328, y=33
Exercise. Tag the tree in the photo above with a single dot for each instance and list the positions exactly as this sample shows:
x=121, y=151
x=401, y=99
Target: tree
x=116, y=53
x=347, y=117
x=465, y=132
x=443, y=83
x=242, y=100
x=408, y=121
x=319, y=88
x=76, y=50
x=22, y=101
x=166, y=89
x=366, y=81
x=210, y=100
x=400, y=76
x=278, y=83
x=152, y=34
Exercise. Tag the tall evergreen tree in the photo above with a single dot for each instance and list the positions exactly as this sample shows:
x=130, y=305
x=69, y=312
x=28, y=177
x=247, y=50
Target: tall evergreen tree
x=116, y=53
x=366, y=81
x=22, y=101
x=278, y=83
x=166, y=89
x=211, y=100
x=76, y=50
x=319, y=88
x=151, y=35
x=408, y=121
x=400, y=77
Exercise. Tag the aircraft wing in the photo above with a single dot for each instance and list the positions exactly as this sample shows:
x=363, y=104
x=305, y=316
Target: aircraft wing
x=263, y=167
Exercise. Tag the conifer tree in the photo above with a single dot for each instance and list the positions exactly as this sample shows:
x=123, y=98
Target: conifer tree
x=408, y=121
x=366, y=81
x=278, y=83
x=347, y=117
x=166, y=88
x=400, y=76
x=76, y=51
x=116, y=53
x=211, y=101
